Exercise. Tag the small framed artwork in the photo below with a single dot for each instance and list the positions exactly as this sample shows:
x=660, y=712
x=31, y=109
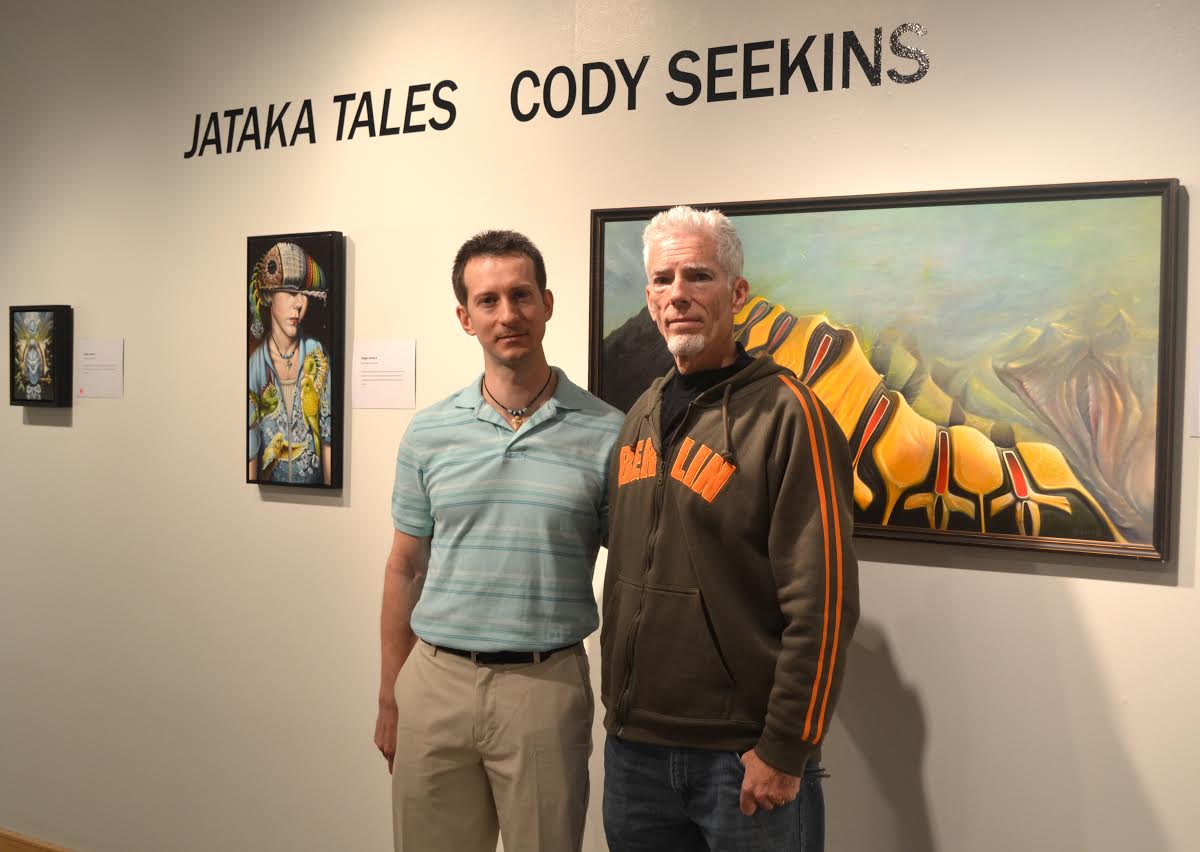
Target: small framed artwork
x=295, y=365
x=1001, y=361
x=39, y=355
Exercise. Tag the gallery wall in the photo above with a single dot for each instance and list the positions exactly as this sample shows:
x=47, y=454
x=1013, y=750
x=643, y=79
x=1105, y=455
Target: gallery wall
x=188, y=662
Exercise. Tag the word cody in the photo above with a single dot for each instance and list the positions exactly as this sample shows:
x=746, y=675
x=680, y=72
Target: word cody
x=595, y=87
x=302, y=127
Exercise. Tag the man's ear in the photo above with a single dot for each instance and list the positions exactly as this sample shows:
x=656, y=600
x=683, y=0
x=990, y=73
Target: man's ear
x=548, y=302
x=464, y=319
x=741, y=291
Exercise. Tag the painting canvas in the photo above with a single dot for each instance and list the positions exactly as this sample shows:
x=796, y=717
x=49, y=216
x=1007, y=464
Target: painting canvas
x=999, y=360
x=294, y=337
x=40, y=355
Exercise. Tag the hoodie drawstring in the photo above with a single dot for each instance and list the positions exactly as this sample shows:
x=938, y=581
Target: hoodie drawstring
x=727, y=453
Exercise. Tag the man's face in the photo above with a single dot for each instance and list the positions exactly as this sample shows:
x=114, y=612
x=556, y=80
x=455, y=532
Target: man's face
x=504, y=309
x=691, y=300
x=287, y=311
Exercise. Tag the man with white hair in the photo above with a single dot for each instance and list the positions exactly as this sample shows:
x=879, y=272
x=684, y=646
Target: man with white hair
x=731, y=591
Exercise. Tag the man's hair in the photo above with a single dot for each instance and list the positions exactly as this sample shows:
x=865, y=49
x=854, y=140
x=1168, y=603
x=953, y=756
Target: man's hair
x=689, y=220
x=495, y=244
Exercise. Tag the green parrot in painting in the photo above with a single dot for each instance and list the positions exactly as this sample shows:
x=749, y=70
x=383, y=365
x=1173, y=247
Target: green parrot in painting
x=316, y=371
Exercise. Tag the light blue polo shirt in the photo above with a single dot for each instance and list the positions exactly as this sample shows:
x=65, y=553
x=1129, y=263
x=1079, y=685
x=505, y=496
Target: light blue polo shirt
x=516, y=518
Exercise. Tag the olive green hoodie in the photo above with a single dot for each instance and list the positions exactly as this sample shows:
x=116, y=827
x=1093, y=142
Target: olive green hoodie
x=731, y=591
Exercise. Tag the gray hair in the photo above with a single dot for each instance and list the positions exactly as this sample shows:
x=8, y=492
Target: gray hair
x=689, y=220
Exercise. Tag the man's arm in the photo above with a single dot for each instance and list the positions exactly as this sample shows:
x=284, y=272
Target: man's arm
x=402, y=579
x=816, y=576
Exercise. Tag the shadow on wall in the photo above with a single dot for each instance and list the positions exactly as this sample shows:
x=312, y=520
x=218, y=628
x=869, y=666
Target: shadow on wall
x=883, y=720
x=983, y=727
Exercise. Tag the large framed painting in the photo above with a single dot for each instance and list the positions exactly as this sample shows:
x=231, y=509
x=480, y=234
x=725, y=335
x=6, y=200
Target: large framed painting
x=295, y=355
x=1001, y=361
x=40, y=355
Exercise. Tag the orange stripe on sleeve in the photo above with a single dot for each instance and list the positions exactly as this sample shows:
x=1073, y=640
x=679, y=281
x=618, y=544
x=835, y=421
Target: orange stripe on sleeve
x=812, y=439
x=837, y=612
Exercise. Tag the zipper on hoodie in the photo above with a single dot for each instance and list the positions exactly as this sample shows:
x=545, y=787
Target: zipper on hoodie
x=651, y=542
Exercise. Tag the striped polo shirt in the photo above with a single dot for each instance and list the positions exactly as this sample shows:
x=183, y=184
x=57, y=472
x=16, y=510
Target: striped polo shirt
x=515, y=518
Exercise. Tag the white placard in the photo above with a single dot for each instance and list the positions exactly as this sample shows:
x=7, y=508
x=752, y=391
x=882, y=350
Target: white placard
x=100, y=369
x=384, y=374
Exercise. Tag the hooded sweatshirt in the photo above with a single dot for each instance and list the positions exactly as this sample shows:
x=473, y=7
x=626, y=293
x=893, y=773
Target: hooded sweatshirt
x=731, y=591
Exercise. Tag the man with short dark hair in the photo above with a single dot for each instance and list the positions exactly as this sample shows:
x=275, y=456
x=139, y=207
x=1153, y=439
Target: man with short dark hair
x=499, y=507
x=731, y=591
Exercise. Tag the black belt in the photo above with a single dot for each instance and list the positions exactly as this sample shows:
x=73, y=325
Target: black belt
x=497, y=658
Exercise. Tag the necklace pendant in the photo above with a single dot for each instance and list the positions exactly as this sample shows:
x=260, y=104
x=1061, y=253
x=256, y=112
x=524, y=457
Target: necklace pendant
x=517, y=421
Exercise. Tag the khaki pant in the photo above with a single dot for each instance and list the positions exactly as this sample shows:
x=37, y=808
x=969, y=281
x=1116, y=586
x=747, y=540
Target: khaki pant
x=481, y=748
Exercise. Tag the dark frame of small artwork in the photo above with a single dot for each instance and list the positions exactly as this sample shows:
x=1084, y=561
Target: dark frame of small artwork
x=295, y=414
x=1062, y=423
x=46, y=352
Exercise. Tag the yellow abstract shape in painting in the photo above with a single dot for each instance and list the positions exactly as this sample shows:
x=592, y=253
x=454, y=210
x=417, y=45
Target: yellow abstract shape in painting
x=904, y=453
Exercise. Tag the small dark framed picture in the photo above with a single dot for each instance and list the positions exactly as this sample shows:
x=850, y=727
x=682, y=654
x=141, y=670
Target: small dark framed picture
x=40, y=355
x=294, y=349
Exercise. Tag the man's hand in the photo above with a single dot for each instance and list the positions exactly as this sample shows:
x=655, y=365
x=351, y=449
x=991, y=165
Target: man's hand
x=764, y=787
x=385, y=730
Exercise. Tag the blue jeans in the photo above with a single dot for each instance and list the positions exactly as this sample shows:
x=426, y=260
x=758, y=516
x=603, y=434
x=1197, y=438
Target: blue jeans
x=659, y=799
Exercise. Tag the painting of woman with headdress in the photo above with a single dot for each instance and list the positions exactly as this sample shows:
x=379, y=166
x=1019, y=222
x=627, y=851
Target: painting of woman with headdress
x=294, y=367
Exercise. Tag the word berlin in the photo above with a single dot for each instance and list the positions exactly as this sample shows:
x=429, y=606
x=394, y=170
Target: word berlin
x=711, y=74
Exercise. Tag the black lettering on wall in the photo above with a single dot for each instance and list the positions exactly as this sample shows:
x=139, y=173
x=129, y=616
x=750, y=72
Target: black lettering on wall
x=632, y=82
x=517, y=112
x=412, y=107
x=788, y=65
x=341, y=101
x=304, y=123
x=249, y=135
x=443, y=104
x=212, y=135
x=231, y=114
x=715, y=73
x=680, y=76
x=749, y=69
x=364, y=116
x=386, y=129
x=610, y=87
x=547, y=91
x=191, y=152
x=903, y=51
x=828, y=77
x=852, y=46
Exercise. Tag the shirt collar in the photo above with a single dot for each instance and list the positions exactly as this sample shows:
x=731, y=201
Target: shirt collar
x=567, y=395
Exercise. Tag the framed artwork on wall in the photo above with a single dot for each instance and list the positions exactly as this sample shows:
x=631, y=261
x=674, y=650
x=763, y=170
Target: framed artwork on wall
x=40, y=355
x=295, y=348
x=1001, y=361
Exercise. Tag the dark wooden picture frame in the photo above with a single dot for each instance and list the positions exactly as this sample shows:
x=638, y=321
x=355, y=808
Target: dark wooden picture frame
x=40, y=355
x=1001, y=360
x=295, y=327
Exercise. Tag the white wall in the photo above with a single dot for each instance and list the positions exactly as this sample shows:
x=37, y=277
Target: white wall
x=189, y=663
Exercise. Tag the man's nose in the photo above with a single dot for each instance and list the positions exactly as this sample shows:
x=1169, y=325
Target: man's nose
x=677, y=291
x=508, y=310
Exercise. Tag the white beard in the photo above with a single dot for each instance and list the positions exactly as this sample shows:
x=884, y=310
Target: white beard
x=686, y=345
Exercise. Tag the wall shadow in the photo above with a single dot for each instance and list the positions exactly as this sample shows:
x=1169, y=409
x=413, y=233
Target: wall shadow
x=883, y=719
x=36, y=416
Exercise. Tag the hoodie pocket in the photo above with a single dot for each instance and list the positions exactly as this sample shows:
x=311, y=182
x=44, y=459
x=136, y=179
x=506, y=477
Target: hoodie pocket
x=677, y=670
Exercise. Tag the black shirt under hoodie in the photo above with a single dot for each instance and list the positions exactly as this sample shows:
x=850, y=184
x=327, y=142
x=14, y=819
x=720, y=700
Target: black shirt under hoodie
x=683, y=389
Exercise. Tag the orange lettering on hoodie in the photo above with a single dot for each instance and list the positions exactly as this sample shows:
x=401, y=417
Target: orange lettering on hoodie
x=706, y=474
x=638, y=461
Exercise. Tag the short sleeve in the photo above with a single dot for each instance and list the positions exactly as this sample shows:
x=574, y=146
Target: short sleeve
x=411, y=509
